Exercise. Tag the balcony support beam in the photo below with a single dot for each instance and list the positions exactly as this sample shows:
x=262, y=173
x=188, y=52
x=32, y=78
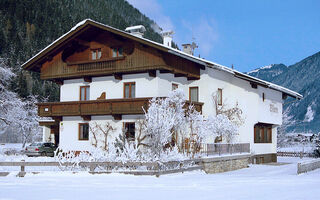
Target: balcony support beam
x=87, y=79
x=118, y=76
x=152, y=73
x=117, y=117
x=86, y=117
x=58, y=81
x=57, y=118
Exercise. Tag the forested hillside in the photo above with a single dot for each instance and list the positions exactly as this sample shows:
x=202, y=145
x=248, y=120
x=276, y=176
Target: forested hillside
x=30, y=25
x=27, y=26
x=303, y=77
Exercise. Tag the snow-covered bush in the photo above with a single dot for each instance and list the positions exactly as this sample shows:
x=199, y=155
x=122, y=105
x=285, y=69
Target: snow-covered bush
x=221, y=126
x=164, y=116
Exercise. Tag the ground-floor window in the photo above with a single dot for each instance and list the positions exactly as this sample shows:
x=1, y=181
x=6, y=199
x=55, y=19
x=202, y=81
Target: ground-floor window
x=129, y=128
x=194, y=94
x=263, y=133
x=83, y=131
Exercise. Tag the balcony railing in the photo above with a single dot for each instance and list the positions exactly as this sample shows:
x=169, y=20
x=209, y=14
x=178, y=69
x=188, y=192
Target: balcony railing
x=99, y=107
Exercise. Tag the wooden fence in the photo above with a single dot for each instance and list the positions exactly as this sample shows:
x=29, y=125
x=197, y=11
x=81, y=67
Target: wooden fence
x=295, y=154
x=151, y=168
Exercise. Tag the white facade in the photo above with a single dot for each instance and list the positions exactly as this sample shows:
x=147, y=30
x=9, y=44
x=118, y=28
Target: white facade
x=235, y=90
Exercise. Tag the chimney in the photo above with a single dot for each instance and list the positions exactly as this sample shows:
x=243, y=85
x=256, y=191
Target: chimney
x=167, y=38
x=189, y=48
x=136, y=30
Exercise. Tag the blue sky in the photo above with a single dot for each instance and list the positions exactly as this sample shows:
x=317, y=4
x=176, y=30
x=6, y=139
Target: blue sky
x=246, y=33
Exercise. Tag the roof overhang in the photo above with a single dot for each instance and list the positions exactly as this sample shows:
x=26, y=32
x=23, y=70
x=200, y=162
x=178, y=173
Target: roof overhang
x=34, y=63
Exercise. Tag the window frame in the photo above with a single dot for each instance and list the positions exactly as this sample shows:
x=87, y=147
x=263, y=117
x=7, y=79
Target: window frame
x=219, y=94
x=85, y=92
x=79, y=132
x=125, y=134
x=262, y=134
x=194, y=87
x=117, y=50
x=96, y=51
x=130, y=90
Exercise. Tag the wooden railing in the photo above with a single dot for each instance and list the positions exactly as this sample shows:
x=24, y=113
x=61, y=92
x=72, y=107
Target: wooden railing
x=221, y=149
x=138, y=62
x=99, y=107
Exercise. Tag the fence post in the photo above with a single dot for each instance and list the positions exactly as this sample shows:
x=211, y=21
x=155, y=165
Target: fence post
x=231, y=149
x=22, y=172
x=157, y=169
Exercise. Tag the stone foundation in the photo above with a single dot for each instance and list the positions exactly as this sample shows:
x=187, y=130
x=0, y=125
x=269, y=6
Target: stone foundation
x=224, y=164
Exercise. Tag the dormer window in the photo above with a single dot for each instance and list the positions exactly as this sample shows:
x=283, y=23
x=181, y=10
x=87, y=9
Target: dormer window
x=117, y=52
x=96, y=54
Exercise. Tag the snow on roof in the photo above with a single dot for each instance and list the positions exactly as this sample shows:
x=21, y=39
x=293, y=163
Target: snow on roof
x=138, y=27
x=175, y=52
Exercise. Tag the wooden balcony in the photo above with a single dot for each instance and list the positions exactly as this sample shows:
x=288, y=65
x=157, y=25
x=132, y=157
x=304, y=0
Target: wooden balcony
x=114, y=107
x=139, y=61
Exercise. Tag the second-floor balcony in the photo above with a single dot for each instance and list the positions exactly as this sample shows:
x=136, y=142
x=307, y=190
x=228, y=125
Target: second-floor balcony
x=114, y=107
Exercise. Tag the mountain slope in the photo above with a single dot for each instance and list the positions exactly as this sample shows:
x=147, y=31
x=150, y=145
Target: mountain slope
x=303, y=77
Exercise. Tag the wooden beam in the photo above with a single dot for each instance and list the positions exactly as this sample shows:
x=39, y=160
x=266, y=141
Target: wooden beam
x=254, y=85
x=86, y=117
x=118, y=76
x=82, y=42
x=284, y=96
x=191, y=78
x=57, y=118
x=163, y=71
x=152, y=73
x=117, y=117
x=179, y=75
x=49, y=58
x=87, y=79
x=48, y=123
x=58, y=81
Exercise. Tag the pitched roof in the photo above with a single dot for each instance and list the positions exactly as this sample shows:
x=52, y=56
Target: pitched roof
x=30, y=64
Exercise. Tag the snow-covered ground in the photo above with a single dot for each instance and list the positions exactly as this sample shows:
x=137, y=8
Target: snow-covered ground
x=255, y=182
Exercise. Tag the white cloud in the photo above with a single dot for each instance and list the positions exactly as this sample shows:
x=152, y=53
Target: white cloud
x=204, y=31
x=153, y=10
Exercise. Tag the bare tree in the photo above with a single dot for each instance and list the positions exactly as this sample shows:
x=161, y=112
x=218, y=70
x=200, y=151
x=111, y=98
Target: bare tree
x=101, y=131
x=142, y=136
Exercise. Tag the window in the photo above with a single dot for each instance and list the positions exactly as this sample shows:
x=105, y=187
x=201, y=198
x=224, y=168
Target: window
x=83, y=131
x=194, y=94
x=96, y=54
x=262, y=133
x=219, y=97
x=129, y=130
x=263, y=96
x=174, y=86
x=129, y=90
x=84, y=93
x=117, y=52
